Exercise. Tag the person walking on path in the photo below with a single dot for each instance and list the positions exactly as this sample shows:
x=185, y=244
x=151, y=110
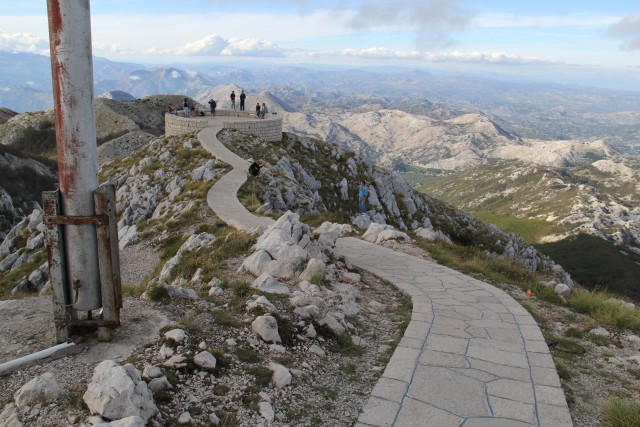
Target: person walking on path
x=233, y=99
x=263, y=111
x=213, y=105
x=258, y=110
x=242, y=98
x=363, y=192
x=185, y=107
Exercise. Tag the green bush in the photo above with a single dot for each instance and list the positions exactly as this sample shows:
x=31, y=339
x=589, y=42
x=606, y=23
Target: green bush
x=619, y=412
x=597, y=305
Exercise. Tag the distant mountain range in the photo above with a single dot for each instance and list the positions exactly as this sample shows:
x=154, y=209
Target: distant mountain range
x=536, y=111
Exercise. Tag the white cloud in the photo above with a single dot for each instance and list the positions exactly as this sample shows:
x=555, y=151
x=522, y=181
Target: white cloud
x=23, y=42
x=432, y=21
x=628, y=28
x=215, y=45
x=483, y=57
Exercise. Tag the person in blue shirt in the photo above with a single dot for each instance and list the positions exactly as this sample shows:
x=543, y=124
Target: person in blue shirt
x=363, y=192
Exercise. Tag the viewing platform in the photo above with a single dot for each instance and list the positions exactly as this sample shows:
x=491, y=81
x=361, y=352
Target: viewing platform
x=246, y=122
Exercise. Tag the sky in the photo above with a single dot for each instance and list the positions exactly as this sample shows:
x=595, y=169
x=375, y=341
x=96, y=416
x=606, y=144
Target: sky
x=567, y=35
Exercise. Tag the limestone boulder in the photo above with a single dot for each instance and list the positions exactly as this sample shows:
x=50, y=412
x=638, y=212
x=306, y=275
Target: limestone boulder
x=42, y=389
x=256, y=262
x=267, y=328
x=205, y=360
x=281, y=375
x=117, y=392
x=134, y=421
x=267, y=283
x=371, y=235
x=391, y=235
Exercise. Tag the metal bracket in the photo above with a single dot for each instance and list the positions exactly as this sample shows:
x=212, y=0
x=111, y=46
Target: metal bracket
x=65, y=317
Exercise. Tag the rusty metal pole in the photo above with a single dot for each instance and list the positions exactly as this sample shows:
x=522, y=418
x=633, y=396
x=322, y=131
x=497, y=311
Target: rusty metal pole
x=72, y=72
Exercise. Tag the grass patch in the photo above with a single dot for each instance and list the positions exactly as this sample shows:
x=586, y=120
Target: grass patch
x=158, y=293
x=316, y=220
x=133, y=290
x=262, y=375
x=619, y=412
x=596, y=304
x=531, y=230
x=247, y=355
x=327, y=393
x=224, y=318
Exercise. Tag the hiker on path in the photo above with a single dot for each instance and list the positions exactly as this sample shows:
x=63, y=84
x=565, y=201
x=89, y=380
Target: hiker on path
x=233, y=99
x=213, y=105
x=363, y=192
x=185, y=107
x=258, y=110
x=242, y=98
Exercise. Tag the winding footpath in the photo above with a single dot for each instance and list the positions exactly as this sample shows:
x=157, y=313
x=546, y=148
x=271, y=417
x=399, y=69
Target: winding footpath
x=471, y=355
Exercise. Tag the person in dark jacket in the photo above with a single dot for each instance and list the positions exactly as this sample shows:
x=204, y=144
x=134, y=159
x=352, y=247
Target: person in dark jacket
x=242, y=98
x=212, y=104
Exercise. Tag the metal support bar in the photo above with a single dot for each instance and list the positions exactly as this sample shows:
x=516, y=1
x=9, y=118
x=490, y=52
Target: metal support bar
x=76, y=220
x=63, y=312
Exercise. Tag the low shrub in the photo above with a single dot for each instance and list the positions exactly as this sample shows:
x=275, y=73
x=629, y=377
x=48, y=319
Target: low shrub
x=598, y=305
x=619, y=412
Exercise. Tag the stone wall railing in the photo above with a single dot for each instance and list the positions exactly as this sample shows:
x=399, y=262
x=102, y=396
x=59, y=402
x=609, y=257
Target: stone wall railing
x=269, y=128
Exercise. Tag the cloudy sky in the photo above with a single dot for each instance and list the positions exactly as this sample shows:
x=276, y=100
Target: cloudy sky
x=585, y=33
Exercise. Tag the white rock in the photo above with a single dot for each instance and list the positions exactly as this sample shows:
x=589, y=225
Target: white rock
x=185, y=418
x=600, y=331
x=202, y=345
x=256, y=262
x=215, y=291
x=134, y=421
x=392, y=235
x=281, y=375
x=9, y=416
x=205, y=360
x=213, y=419
x=268, y=284
x=166, y=351
x=267, y=328
x=150, y=372
x=311, y=332
x=332, y=324
x=316, y=350
x=160, y=383
x=358, y=341
x=635, y=359
x=563, y=290
x=633, y=338
x=261, y=302
x=315, y=267
x=266, y=411
x=117, y=392
x=371, y=235
x=176, y=335
x=230, y=342
x=41, y=389
x=180, y=292
x=176, y=362
x=277, y=348
x=426, y=234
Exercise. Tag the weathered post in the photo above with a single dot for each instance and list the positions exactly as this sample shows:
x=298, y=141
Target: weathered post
x=72, y=72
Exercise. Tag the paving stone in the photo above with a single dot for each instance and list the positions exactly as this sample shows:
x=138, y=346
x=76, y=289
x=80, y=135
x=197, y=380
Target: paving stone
x=513, y=409
x=390, y=389
x=438, y=358
x=411, y=343
x=541, y=360
x=418, y=330
x=531, y=332
x=545, y=376
x=402, y=364
x=506, y=358
x=476, y=374
x=511, y=389
x=549, y=395
x=447, y=344
x=450, y=391
x=501, y=371
x=495, y=422
x=379, y=412
x=415, y=413
x=556, y=416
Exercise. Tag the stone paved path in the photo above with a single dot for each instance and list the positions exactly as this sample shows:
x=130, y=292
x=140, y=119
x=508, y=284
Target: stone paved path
x=471, y=355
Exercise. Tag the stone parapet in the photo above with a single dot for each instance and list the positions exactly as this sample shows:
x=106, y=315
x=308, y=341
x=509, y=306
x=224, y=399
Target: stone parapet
x=269, y=128
x=178, y=125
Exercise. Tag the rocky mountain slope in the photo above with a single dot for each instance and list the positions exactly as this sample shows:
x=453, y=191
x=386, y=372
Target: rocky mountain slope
x=243, y=348
x=599, y=199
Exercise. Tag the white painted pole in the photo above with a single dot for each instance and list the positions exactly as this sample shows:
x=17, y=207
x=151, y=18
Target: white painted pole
x=72, y=72
x=12, y=364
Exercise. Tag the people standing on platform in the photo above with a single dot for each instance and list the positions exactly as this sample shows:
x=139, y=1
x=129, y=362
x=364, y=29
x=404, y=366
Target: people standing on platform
x=263, y=111
x=233, y=99
x=258, y=110
x=185, y=107
x=212, y=105
x=242, y=98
